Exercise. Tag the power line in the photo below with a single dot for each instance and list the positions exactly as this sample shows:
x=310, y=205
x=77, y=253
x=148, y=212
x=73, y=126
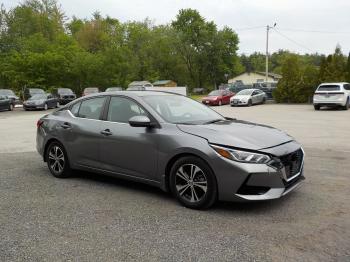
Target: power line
x=293, y=41
x=313, y=31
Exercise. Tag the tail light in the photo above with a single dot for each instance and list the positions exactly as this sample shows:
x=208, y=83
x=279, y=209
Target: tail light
x=39, y=123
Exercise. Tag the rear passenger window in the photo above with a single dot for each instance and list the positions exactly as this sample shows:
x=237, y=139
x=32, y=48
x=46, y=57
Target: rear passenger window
x=75, y=109
x=91, y=108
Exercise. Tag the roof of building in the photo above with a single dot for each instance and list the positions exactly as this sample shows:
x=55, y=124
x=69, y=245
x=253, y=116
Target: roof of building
x=263, y=74
x=139, y=83
x=270, y=74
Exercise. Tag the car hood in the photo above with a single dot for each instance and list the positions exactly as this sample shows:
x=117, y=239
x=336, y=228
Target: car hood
x=241, y=97
x=240, y=134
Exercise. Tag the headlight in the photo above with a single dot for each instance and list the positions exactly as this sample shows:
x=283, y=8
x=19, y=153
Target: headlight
x=241, y=156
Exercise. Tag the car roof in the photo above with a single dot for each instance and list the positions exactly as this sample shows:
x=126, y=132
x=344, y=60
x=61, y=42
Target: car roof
x=334, y=83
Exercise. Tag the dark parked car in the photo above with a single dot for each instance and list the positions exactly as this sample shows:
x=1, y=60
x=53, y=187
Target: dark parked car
x=90, y=90
x=5, y=103
x=41, y=101
x=29, y=92
x=113, y=89
x=172, y=142
x=64, y=95
x=11, y=95
x=218, y=98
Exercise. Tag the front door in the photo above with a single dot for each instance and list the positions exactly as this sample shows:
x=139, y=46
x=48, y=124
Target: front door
x=125, y=149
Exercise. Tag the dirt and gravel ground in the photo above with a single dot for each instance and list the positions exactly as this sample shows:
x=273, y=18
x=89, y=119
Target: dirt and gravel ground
x=94, y=218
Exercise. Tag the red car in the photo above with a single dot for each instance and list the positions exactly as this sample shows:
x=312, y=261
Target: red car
x=218, y=98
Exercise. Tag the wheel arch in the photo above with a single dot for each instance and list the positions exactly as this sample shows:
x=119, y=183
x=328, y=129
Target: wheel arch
x=48, y=142
x=171, y=162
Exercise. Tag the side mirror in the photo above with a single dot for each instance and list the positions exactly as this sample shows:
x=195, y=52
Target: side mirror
x=140, y=121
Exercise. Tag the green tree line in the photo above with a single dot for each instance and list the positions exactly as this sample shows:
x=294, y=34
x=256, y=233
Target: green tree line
x=40, y=47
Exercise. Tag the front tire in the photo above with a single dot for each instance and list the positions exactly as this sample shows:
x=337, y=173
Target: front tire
x=317, y=107
x=250, y=103
x=220, y=103
x=11, y=107
x=46, y=107
x=193, y=183
x=57, y=160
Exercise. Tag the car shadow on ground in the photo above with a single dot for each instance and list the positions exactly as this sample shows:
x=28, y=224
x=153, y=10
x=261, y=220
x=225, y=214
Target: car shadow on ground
x=221, y=206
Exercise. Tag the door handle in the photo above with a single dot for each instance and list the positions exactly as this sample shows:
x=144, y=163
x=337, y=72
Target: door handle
x=66, y=125
x=106, y=132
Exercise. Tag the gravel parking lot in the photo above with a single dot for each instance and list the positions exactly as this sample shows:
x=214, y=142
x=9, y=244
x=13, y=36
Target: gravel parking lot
x=95, y=218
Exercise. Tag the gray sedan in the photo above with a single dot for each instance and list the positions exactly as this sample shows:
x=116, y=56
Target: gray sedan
x=248, y=97
x=171, y=142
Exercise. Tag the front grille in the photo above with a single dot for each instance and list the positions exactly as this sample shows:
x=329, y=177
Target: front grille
x=292, y=163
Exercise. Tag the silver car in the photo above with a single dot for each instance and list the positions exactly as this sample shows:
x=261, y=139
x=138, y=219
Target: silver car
x=248, y=97
x=171, y=142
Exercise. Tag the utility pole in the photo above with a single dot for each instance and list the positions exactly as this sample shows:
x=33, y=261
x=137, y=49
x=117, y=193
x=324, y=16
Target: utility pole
x=267, y=52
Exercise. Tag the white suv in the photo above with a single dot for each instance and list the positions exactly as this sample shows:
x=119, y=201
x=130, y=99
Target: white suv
x=332, y=94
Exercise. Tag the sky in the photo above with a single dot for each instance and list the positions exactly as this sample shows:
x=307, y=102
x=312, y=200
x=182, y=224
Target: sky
x=302, y=26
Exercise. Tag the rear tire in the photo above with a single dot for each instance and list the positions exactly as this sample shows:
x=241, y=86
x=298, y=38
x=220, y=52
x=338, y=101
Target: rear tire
x=57, y=160
x=317, y=107
x=193, y=183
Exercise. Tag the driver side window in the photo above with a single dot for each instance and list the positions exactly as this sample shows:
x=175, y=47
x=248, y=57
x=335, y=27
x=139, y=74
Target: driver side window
x=121, y=109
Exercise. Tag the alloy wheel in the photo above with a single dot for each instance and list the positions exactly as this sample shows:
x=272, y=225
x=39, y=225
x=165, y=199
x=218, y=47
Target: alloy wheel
x=56, y=159
x=191, y=183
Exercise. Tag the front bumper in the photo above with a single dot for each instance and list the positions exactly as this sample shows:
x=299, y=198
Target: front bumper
x=253, y=182
x=238, y=103
x=33, y=106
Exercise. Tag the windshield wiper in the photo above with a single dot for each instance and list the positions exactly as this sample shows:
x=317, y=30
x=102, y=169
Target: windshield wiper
x=213, y=121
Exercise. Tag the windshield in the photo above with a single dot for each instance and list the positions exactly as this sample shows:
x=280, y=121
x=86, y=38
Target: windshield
x=329, y=88
x=91, y=90
x=245, y=92
x=65, y=91
x=38, y=97
x=181, y=110
x=113, y=89
x=36, y=91
x=6, y=92
x=215, y=93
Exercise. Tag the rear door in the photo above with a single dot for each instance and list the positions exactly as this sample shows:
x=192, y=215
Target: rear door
x=81, y=132
x=125, y=149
